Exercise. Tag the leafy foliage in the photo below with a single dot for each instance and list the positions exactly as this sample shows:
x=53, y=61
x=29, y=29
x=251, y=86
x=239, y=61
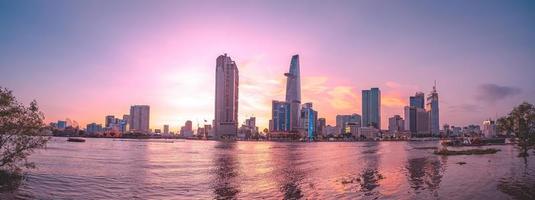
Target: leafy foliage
x=521, y=123
x=19, y=132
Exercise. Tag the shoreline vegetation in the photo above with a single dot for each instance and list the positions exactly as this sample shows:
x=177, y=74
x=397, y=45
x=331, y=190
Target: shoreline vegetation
x=446, y=152
x=147, y=137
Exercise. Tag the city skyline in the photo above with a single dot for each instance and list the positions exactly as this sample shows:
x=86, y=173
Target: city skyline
x=85, y=71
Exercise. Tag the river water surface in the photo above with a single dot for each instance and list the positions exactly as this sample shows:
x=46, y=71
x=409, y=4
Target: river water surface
x=189, y=169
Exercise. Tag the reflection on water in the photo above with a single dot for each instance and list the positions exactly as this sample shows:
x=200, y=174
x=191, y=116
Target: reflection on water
x=107, y=169
x=225, y=183
x=424, y=174
x=519, y=184
x=288, y=176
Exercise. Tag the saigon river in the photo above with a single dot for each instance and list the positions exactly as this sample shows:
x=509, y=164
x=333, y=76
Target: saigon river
x=190, y=169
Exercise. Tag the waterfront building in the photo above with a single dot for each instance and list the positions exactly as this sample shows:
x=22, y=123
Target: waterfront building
x=122, y=125
x=456, y=131
x=410, y=118
x=226, y=98
x=447, y=130
x=395, y=124
x=352, y=128
x=472, y=130
x=110, y=119
x=286, y=115
x=416, y=121
x=422, y=122
x=187, y=129
x=308, y=120
x=371, y=108
x=432, y=107
x=126, y=118
x=204, y=132
x=166, y=129
x=489, y=128
x=280, y=116
x=208, y=131
x=367, y=133
x=61, y=125
x=139, y=118
x=248, y=128
x=320, y=127
x=293, y=93
x=330, y=131
x=343, y=120
x=93, y=128
x=418, y=100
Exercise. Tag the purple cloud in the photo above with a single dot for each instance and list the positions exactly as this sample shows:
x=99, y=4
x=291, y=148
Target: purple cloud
x=492, y=92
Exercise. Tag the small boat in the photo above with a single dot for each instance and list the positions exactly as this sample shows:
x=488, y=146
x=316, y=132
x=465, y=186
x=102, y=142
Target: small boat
x=75, y=140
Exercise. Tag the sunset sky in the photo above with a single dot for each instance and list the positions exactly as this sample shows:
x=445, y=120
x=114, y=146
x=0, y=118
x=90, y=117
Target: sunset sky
x=84, y=60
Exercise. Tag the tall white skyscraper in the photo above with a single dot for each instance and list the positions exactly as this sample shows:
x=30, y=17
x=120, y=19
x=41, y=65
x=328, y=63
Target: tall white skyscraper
x=139, y=118
x=226, y=98
x=371, y=108
x=432, y=107
x=293, y=92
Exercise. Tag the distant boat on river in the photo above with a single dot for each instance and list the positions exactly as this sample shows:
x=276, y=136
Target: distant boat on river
x=75, y=140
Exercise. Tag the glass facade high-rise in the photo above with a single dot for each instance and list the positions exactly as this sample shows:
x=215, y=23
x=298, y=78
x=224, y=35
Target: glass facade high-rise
x=139, y=118
x=226, y=98
x=309, y=117
x=432, y=107
x=416, y=121
x=280, y=116
x=371, y=108
x=293, y=92
x=418, y=100
x=110, y=119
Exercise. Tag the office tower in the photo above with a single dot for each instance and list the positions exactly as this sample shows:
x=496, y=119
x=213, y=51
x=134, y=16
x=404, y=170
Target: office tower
x=226, y=98
x=93, y=128
x=320, y=127
x=396, y=124
x=248, y=129
x=416, y=121
x=166, y=129
x=293, y=92
x=410, y=119
x=432, y=107
x=489, y=128
x=251, y=122
x=189, y=125
x=61, y=125
x=280, y=116
x=308, y=120
x=126, y=118
x=342, y=122
x=371, y=108
x=418, y=100
x=110, y=120
x=139, y=118
x=121, y=125
x=422, y=122
x=187, y=129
